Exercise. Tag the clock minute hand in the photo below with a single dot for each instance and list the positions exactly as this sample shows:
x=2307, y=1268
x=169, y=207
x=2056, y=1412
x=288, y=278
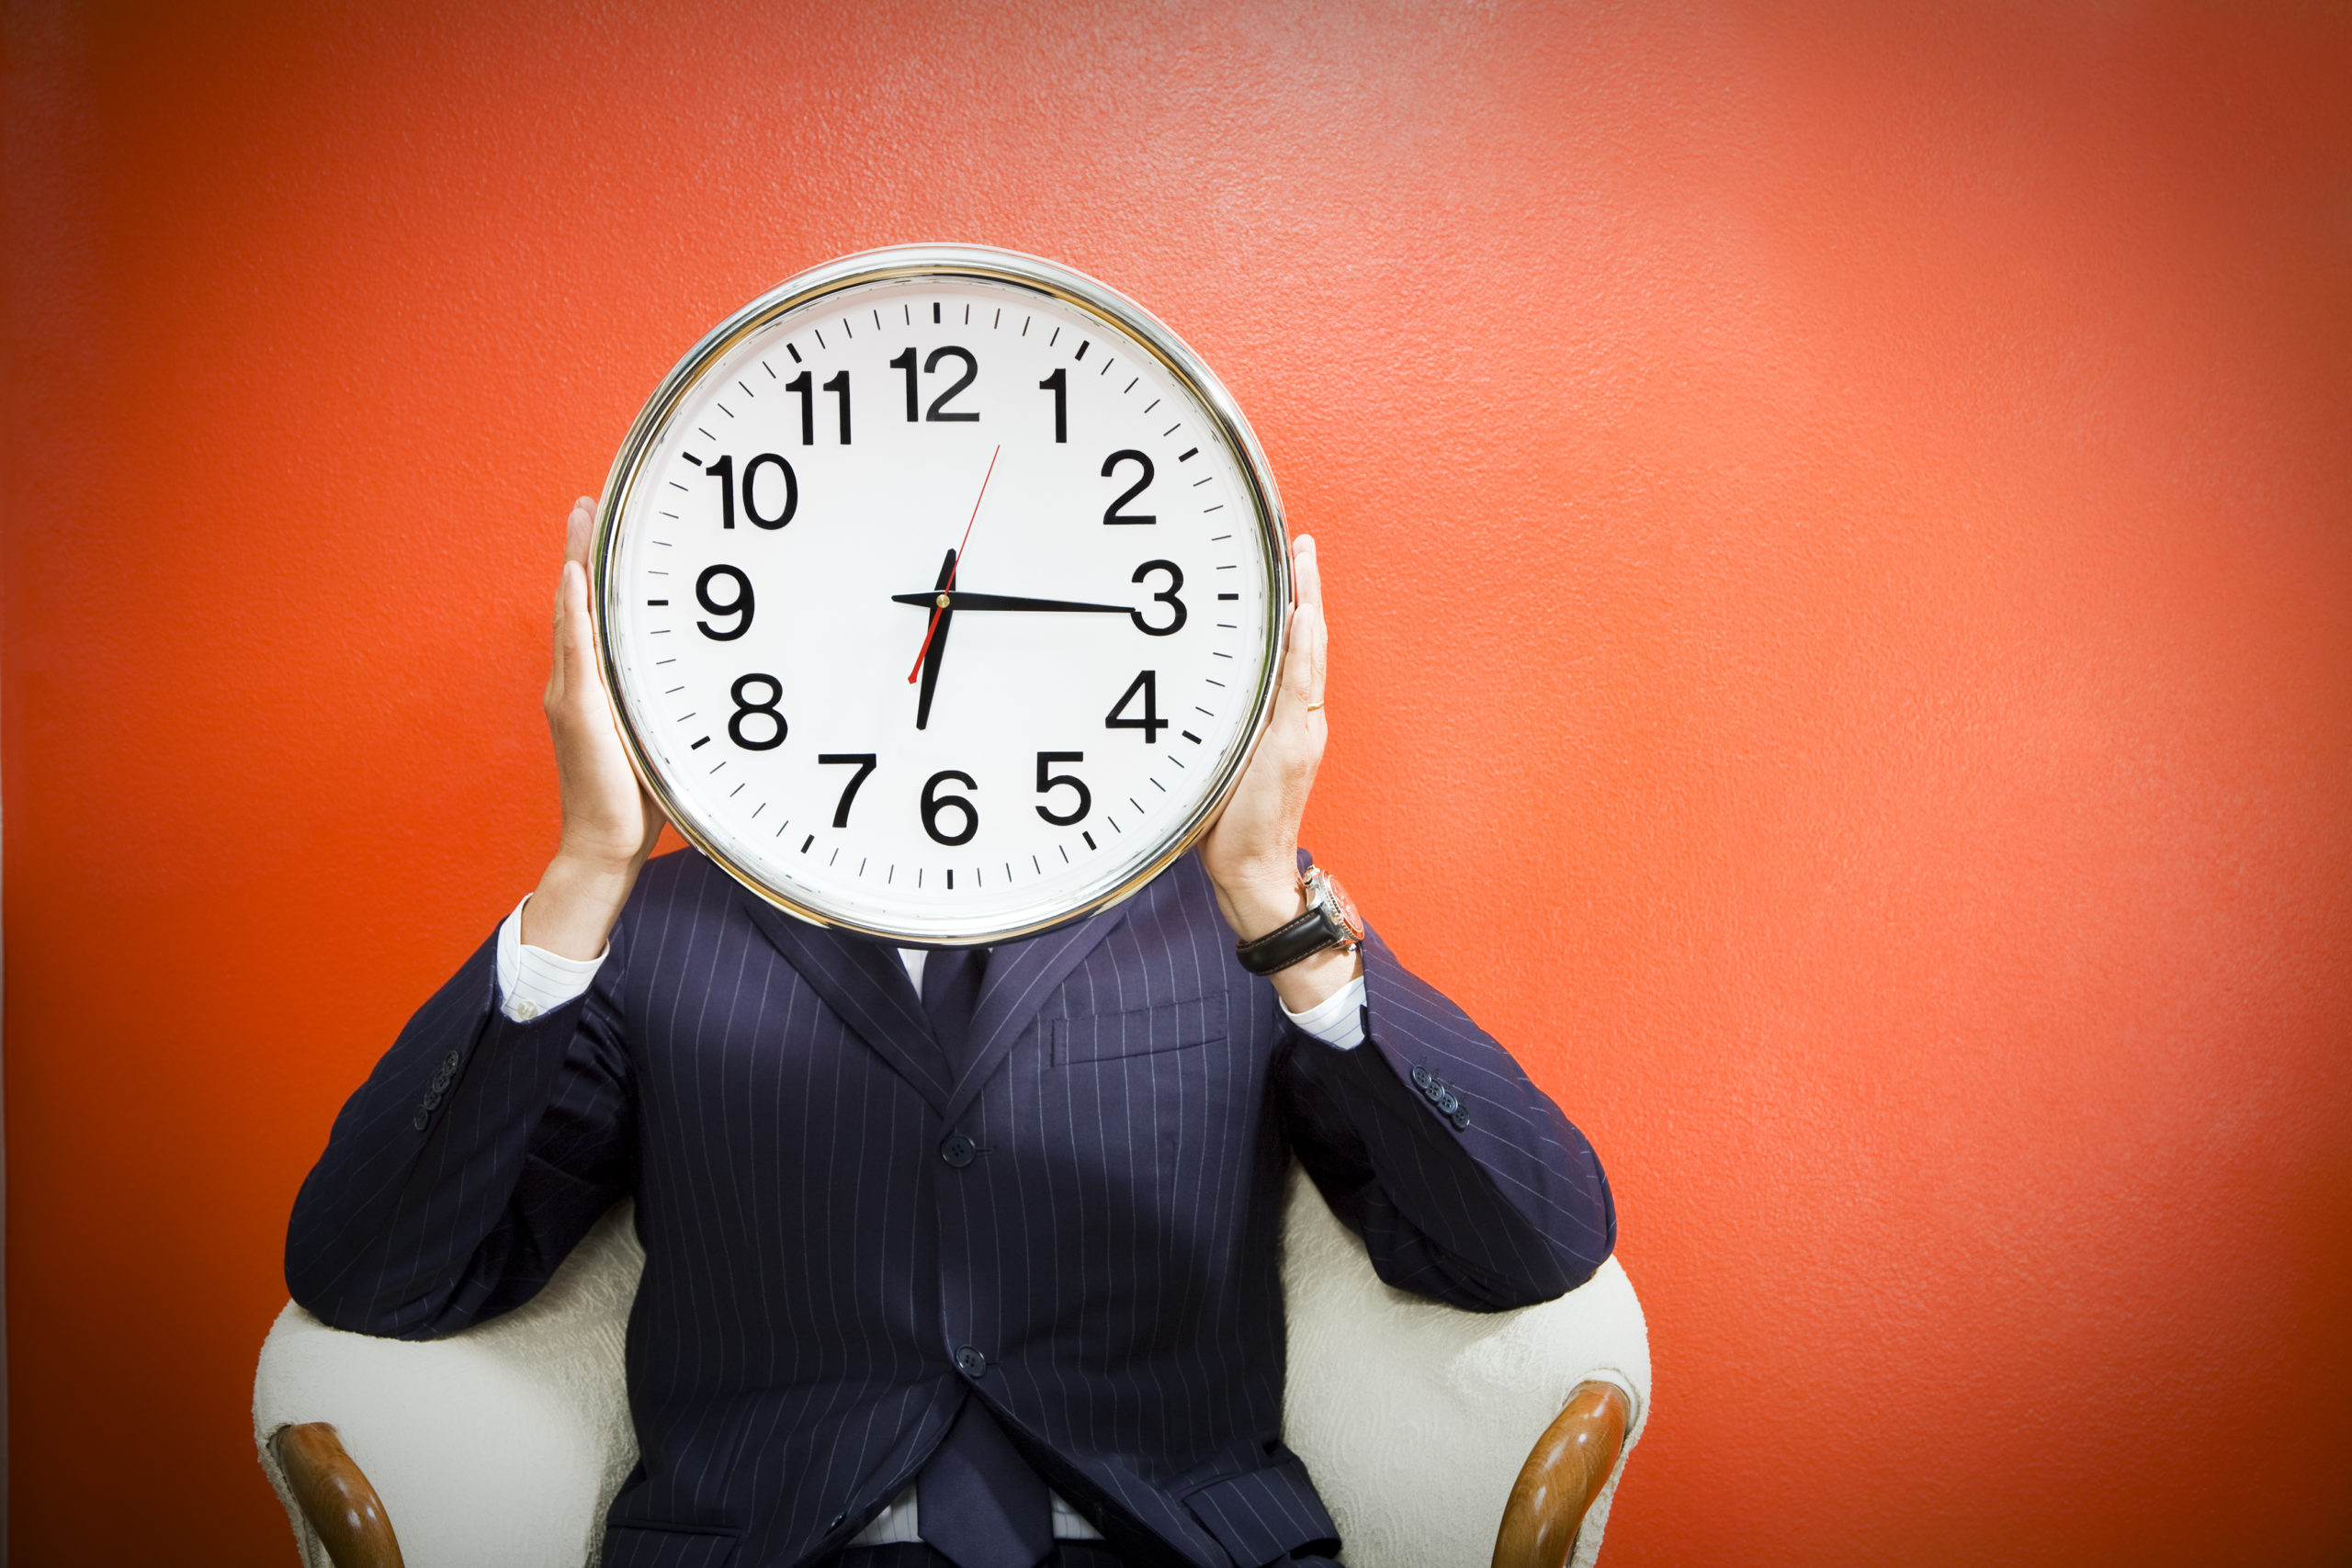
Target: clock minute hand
x=958, y=599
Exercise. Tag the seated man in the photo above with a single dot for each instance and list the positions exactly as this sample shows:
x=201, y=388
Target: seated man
x=950, y=1258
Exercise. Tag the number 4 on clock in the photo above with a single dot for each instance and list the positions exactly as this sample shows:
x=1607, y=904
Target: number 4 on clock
x=1151, y=724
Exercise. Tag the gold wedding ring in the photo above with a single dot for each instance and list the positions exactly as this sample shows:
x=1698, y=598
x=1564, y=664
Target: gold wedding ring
x=1314, y=708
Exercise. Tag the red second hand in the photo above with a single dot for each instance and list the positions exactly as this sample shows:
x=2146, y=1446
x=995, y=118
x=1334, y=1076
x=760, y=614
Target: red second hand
x=936, y=611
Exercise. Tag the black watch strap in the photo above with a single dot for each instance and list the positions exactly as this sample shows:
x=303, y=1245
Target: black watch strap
x=1285, y=945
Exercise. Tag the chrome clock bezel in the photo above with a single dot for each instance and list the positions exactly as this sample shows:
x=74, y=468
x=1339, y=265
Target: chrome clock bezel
x=982, y=263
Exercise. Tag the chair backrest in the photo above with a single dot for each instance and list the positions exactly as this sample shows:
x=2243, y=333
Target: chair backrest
x=496, y=1448
x=1413, y=1417
x=501, y=1447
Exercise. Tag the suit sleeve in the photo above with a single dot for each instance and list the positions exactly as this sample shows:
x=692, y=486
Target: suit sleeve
x=1461, y=1177
x=460, y=1174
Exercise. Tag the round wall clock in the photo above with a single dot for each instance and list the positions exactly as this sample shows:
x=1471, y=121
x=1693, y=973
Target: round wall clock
x=941, y=592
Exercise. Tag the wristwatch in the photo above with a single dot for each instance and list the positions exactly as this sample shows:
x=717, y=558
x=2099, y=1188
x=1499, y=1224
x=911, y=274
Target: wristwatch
x=1330, y=922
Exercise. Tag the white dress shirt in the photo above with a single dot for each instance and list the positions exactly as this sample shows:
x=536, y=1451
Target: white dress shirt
x=532, y=981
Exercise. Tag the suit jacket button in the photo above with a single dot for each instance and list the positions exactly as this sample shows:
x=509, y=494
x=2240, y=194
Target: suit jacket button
x=1421, y=1079
x=418, y=1120
x=971, y=1363
x=449, y=1062
x=958, y=1150
x=1461, y=1119
x=1447, y=1101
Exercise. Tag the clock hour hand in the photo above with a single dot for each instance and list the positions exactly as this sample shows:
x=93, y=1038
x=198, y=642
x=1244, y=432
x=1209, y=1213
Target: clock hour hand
x=948, y=600
x=935, y=649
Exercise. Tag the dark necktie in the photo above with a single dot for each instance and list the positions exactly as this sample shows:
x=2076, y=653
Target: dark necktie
x=980, y=1503
x=951, y=987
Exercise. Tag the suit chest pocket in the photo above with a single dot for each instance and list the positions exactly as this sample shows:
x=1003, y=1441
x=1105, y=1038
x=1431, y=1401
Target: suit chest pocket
x=1171, y=1026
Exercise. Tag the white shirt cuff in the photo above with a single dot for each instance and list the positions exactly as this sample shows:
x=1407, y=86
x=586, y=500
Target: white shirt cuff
x=531, y=980
x=1337, y=1021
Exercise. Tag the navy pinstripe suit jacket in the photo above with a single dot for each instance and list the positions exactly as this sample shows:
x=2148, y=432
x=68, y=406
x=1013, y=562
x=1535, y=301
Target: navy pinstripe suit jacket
x=771, y=1095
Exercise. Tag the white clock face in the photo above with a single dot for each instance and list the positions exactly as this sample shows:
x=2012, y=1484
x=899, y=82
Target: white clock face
x=774, y=568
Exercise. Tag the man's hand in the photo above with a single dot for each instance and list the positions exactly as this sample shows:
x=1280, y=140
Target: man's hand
x=610, y=823
x=1252, y=852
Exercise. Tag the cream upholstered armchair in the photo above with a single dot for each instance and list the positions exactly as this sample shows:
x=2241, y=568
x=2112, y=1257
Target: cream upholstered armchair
x=501, y=1447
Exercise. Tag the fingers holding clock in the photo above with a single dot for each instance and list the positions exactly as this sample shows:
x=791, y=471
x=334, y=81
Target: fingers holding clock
x=610, y=823
x=1304, y=667
x=579, y=530
x=1252, y=852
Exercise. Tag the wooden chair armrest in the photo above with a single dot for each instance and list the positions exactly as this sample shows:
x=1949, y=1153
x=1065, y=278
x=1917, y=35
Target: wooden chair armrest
x=335, y=1497
x=1564, y=1474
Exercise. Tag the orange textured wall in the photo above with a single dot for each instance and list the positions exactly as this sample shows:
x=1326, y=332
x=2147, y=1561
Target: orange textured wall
x=1840, y=530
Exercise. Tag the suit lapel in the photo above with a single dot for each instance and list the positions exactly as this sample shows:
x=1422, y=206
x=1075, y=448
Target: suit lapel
x=1021, y=976
x=866, y=986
